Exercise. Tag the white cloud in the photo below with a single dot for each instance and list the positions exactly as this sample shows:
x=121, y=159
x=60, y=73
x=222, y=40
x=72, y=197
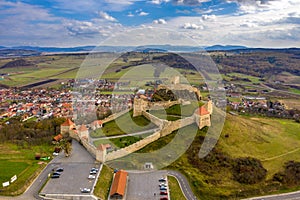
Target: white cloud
x=107, y=17
x=159, y=21
x=130, y=14
x=142, y=13
x=208, y=17
x=190, y=2
x=159, y=1
x=192, y=26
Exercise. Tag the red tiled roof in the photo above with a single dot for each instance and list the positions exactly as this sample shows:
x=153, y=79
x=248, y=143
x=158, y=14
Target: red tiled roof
x=101, y=147
x=58, y=137
x=68, y=122
x=202, y=111
x=82, y=128
x=119, y=183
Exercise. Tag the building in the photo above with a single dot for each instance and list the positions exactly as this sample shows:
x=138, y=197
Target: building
x=118, y=187
x=202, y=117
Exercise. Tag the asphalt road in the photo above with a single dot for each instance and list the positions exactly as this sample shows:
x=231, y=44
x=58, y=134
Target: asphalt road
x=184, y=184
x=287, y=196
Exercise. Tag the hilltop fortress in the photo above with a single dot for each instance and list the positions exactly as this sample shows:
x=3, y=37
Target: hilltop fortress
x=201, y=116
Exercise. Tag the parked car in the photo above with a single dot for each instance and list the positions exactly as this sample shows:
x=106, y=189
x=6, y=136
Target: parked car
x=91, y=177
x=54, y=176
x=163, y=188
x=85, y=190
x=163, y=193
x=56, y=173
x=93, y=172
x=164, y=198
x=58, y=169
x=94, y=169
x=162, y=180
x=163, y=184
x=55, y=154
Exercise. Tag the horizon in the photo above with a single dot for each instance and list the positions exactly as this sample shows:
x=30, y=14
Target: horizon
x=254, y=24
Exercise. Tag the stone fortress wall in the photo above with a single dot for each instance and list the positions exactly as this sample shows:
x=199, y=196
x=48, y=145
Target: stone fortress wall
x=141, y=106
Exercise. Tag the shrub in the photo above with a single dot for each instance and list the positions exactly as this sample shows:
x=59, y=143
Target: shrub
x=248, y=170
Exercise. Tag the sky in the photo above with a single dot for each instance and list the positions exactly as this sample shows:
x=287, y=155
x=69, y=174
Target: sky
x=62, y=23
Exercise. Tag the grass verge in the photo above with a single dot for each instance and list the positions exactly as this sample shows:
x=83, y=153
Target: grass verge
x=175, y=190
x=103, y=185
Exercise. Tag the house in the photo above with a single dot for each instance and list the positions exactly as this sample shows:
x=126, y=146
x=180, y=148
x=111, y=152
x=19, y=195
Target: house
x=118, y=188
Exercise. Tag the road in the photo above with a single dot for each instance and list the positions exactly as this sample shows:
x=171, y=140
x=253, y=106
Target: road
x=286, y=196
x=184, y=184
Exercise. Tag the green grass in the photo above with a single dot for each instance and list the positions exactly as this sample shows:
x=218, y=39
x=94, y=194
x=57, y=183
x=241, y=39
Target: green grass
x=253, y=79
x=20, y=161
x=123, y=125
x=175, y=190
x=175, y=112
x=262, y=138
x=103, y=185
x=121, y=142
x=296, y=91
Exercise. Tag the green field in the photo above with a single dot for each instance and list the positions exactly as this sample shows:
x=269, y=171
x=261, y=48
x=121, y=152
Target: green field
x=123, y=125
x=20, y=161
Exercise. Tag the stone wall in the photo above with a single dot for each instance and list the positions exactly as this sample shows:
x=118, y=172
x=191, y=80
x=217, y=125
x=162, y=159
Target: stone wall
x=155, y=120
x=170, y=126
x=114, y=116
x=89, y=147
x=133, y=148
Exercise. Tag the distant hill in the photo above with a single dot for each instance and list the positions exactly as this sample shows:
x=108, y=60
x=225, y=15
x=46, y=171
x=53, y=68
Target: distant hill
x=148, y=48
x=4, y=52
x=224, y=48
x=17, y=63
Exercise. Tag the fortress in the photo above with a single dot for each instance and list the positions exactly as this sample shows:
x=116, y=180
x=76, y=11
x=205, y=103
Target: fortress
x=201, y=116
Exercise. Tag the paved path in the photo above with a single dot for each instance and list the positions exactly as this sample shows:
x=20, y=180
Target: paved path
x=285, y=196
x=184, y=184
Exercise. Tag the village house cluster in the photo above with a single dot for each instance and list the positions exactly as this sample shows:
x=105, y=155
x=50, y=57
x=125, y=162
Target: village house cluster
x=41, y=103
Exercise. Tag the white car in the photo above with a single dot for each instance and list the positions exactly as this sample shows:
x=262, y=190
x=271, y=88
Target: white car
x=91, y=177
x=85, y=190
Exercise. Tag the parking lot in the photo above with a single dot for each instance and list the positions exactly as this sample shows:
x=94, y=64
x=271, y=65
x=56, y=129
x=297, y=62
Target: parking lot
x=145, y=185
x=75, y=175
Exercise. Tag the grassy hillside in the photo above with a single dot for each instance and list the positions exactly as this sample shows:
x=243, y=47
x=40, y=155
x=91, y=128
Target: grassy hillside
x=273, y=141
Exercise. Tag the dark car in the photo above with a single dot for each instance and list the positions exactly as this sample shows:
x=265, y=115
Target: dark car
x=163, y=193
x=54, y=176
x=60, y=169
x=94, y=169
x=56, y=173
x=162, y=180
x=164, y=198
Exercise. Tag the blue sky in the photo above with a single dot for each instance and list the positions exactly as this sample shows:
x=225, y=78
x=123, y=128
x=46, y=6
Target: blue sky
x=253, y=23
